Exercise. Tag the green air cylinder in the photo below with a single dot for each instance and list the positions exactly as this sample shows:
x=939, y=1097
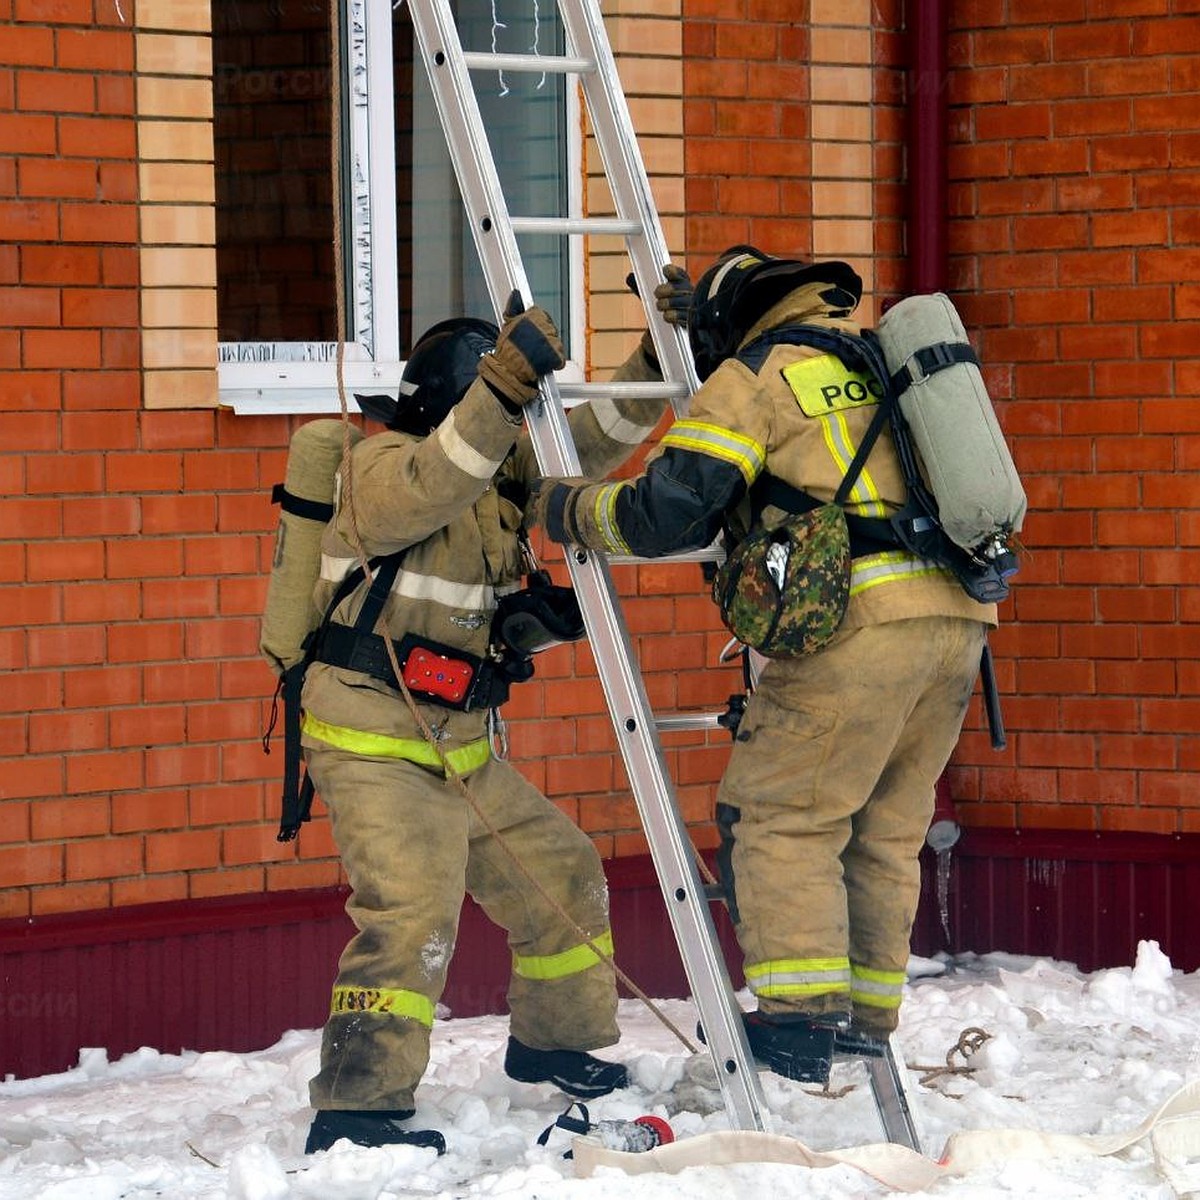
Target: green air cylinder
x=966, y=461
x=314, y=456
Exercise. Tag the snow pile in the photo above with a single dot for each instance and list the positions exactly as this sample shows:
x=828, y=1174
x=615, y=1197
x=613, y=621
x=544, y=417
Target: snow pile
x=991, y=1041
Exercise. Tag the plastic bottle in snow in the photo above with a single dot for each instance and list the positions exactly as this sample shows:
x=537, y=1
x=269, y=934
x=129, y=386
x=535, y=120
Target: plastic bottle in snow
x=634, y=1137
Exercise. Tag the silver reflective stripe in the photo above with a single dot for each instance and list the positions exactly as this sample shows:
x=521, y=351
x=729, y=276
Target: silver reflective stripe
x=606, y=516
x=876, y=987
x=334, y=570
x=874, y=569
x=761, y=976
x=614, y=425
x=475, y=596
x=743, y=452
x=463, y=455
x=738, y=260
x=478, y=596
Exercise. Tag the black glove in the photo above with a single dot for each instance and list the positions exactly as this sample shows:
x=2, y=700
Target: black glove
x=528, y=348
x=673, y=298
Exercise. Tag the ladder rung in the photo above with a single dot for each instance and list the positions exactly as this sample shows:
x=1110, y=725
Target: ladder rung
x=613, y=225
x=685, y=722
x=708, y=554
x=550, y=64
x=579, y=390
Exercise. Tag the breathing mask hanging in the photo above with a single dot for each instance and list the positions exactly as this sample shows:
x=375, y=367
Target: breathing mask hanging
x=540, y=615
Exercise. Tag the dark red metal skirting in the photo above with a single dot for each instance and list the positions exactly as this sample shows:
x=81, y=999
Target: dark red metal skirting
x=235, y=973
x=1085, y=898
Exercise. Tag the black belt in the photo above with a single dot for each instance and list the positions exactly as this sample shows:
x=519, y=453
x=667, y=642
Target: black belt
x=344, y=646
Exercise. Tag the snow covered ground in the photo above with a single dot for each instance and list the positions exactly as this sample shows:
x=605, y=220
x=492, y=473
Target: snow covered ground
x=1064, y=1052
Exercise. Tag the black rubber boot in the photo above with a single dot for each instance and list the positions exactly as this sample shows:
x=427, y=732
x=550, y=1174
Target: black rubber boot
x=859, y=1042
x=795, y=1045
x=364, y=1127
x=574, y=1072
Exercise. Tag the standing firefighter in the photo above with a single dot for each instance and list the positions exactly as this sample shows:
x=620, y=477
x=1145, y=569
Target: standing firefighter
x=436, y=502
x=830, y=785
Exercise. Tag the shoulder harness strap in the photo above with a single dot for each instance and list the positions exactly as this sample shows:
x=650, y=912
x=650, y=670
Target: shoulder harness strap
x=859, y=352
x=297, y=793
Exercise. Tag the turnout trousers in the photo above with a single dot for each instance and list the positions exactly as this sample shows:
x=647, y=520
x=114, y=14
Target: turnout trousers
x=411, y=846
x=833, y=771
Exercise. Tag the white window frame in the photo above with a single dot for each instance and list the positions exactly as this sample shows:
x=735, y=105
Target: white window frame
x=257, y=378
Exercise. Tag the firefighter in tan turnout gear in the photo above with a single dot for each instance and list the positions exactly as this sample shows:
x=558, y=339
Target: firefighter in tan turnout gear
x=830, y=786
x=436, y=501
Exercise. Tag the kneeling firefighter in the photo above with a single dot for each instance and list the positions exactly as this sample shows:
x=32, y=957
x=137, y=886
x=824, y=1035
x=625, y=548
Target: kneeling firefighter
x=830, y=786
x=436, y=501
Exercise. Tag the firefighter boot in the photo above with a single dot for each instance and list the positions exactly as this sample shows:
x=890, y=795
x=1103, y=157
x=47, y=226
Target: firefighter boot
x=578, y=1074
x=364, y=1127
x=795, y=1045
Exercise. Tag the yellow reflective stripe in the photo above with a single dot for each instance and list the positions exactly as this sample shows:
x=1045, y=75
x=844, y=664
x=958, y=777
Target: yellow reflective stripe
x=605, y=513
x=892, y=565
x=465, y=759
x=742, y=452
x=875, y=999
x=876, y=988
x=568, y=962
x=798, y=976
x=842, y=449
x=872, y=975
x=395, y=1002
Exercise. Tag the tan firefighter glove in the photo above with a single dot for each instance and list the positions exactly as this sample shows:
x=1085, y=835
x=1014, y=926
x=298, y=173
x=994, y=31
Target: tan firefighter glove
x=528, y=348
x=551, y=507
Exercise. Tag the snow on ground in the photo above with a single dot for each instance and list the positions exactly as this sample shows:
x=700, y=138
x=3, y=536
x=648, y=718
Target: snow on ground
x=1065, y=1052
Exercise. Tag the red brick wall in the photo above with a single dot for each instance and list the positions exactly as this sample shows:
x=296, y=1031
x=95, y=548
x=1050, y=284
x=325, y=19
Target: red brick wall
x=76, y=455
x=1075, y=243
x=135, y=544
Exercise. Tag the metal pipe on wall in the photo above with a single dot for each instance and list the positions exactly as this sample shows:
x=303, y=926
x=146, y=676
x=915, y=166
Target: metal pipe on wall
x=928, y=78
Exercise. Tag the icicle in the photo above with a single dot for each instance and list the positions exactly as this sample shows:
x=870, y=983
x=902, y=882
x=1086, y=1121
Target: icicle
x=497, y=25
x=942, y=879
x=537, y=29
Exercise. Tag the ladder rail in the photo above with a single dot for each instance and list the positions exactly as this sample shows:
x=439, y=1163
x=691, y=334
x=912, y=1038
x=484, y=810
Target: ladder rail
x=624, y=688
x=627, y=177
x=891, y=1099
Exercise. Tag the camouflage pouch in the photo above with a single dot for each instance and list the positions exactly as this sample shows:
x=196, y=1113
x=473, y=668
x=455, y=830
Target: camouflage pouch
x=783, y=591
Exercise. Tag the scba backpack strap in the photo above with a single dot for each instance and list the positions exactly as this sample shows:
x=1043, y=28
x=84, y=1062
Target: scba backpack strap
x=917, y=526
x=296, y=804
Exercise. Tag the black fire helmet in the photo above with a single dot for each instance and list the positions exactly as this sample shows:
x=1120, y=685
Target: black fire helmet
x=443, y=363
x=743, y=284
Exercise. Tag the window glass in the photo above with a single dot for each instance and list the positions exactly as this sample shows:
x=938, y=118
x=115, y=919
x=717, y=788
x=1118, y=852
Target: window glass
x=271, y=82
x=524, y=115
x=408, y=251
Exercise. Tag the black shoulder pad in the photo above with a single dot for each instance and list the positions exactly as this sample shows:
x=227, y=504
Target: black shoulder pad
x=852, y=349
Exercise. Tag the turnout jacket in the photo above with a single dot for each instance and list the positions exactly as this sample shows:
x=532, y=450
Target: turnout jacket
x=454, y=502
x=799, y=416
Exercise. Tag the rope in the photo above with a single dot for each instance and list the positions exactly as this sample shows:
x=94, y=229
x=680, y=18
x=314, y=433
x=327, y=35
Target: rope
x=347, y=502
x=970, y=1042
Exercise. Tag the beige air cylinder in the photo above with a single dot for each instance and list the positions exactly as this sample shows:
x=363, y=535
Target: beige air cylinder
x=966, y=461
x=314, y=456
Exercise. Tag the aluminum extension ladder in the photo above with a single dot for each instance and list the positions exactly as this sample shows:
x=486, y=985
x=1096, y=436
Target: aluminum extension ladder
x=590, y=60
